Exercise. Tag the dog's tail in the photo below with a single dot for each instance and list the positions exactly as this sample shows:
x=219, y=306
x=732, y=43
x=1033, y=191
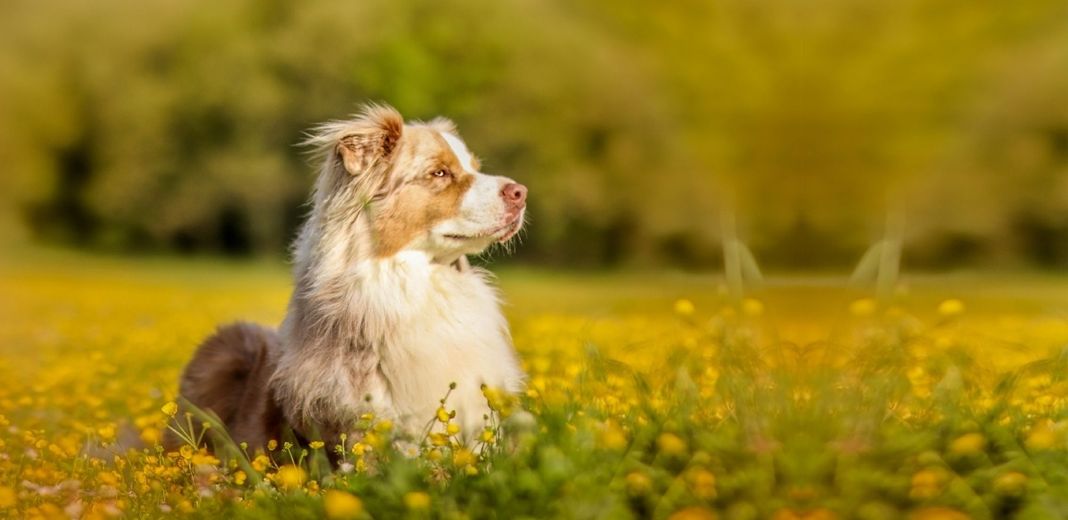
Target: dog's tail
x=228, y=376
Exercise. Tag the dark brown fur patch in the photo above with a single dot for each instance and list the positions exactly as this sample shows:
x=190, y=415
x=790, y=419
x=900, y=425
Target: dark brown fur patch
x=228, y=376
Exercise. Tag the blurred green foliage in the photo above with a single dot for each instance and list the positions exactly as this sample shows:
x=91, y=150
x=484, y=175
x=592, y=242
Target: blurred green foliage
x=170, y=125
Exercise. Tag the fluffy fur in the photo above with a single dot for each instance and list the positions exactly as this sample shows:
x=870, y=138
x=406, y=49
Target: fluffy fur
x=386, y=312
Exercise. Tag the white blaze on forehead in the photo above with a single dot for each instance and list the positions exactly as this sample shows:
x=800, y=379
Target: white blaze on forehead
x=482, y=210
x=459, y=149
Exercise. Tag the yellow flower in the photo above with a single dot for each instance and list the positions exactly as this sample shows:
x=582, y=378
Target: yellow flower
x=926, y=483
x=109, y=478
x=638, y=483
x=170, y=409
x=204, y=459
x=703, y=484
x=671, y=445
x=186, y=451
x=463, y=457
x=261, y=463
x=968, y=444
x=443, y=414
x=439, y=439
x=384, y=426
x=151, y=436
x=951, y=307
x=937, y=513
x=452, y=428
x=7, y=497
x=339, y=504
x=373, y=440
x=820, y=513
x=316, y=444
x=417, y=500
x=1041, y=437
x=693, y=513
x=290, y=477
x=185, y=506
x=1012, y=483
x=752, y=307
x=107, y=433
x=684, y=307
x=240, y=477
x=613, y=437
x=863, y=307
x=487, y=436
x=272, y=445
x=501, y=401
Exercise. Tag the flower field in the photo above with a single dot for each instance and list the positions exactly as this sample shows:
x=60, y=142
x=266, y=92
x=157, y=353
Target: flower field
x=649, y=396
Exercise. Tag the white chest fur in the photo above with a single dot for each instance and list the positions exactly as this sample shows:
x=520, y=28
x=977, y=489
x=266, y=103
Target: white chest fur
x=432, y=325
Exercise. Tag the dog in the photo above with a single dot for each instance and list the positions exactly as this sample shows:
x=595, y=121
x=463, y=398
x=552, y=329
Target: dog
x=386, y=312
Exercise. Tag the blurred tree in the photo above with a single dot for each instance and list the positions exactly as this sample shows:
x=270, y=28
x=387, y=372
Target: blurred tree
x=820, y=118
x=1006, y=189
x=171, y=124
x=178, y=131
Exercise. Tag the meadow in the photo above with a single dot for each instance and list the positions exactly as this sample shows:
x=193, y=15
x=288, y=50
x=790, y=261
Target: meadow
x=650, y=395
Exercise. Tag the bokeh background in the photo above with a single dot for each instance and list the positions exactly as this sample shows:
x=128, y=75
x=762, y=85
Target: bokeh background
x=170, y=126
x=150, y=182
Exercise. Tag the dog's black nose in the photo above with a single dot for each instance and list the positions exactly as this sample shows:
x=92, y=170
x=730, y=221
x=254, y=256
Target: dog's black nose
x=514, y=194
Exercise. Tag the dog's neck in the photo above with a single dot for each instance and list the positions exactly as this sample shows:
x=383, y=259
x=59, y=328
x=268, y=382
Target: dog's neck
x=388, y=328
x=336, y=275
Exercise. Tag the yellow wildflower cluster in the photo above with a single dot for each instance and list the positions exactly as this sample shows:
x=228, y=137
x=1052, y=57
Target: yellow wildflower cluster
x=660, y=399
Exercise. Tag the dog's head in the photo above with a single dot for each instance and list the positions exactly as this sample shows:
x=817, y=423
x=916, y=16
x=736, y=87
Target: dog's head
x=418, y=184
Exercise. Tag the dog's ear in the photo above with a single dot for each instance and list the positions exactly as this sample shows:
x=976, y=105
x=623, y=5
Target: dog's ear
x=371, y=139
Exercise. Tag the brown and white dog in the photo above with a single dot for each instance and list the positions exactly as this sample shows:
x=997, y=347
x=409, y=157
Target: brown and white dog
x=386, y=311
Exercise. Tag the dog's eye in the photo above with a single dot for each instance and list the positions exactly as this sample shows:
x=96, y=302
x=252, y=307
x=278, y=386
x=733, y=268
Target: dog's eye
x=440, y=173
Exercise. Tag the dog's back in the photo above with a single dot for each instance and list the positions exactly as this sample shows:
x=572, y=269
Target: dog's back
x=228, y=376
